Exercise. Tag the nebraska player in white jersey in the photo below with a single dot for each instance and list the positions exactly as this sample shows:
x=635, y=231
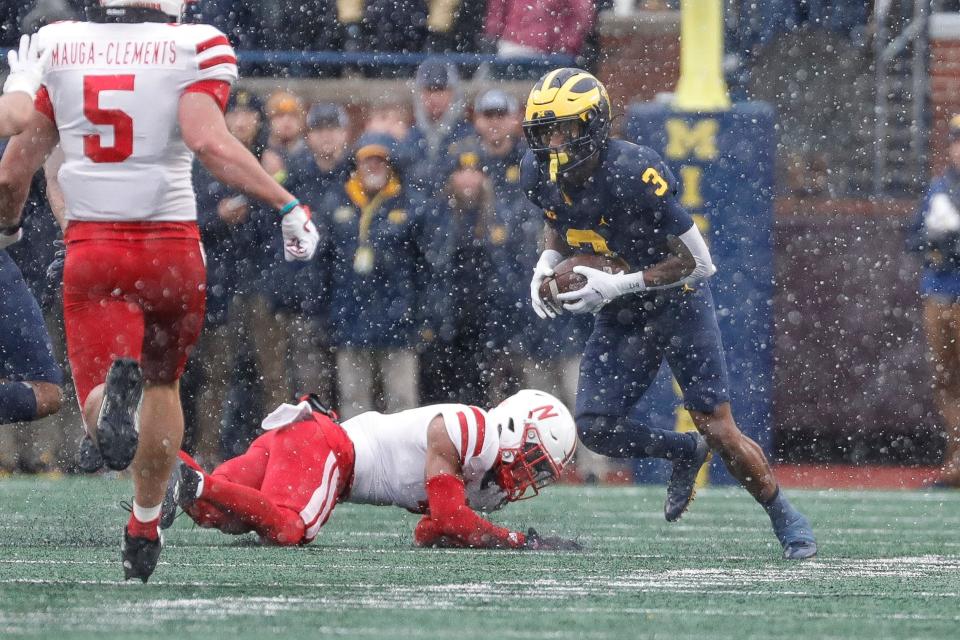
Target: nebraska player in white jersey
x=132, y=96
x=445, y=461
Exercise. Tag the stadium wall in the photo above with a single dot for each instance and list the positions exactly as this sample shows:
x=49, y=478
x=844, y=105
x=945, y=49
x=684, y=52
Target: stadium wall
x=850, y=379
x=944, y=83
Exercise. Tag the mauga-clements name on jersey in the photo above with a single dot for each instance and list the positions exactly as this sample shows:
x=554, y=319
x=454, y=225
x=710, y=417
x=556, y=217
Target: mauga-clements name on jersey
x=129, y=52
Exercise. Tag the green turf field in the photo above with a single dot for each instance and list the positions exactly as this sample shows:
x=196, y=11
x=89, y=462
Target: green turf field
x=889, y=568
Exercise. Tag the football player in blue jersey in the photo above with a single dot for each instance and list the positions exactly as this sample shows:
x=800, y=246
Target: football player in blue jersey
x=30, y=378
x=614, y=198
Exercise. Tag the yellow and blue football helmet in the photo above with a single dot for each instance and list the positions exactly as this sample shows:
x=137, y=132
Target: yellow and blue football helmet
x=573, y=101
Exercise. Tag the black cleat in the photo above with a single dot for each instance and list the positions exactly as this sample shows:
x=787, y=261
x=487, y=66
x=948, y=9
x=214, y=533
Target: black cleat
x=168, y=508
x=89, y=459
x=118, y=429
x=139, y=556
x=682, y=486
x=181, y=492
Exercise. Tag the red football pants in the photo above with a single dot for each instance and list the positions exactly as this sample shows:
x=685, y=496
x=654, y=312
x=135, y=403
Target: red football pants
x=133, y=290
x=284, y=487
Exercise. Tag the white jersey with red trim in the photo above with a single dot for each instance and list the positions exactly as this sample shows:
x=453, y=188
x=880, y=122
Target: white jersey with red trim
x=391, y=453
x=113, y=91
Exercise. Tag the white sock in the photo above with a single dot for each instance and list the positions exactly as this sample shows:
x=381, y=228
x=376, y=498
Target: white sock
x=145, y=514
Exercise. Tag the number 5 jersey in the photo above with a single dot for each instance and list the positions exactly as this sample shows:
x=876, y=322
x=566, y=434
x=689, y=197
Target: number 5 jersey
x=113, y=91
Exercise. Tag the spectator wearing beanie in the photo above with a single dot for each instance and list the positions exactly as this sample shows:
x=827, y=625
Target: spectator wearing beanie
x=438, y=121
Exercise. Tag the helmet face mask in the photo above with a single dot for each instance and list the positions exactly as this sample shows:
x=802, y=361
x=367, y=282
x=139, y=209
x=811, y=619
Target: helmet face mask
x=537, y=439
x=527, y=468
x=555, y=134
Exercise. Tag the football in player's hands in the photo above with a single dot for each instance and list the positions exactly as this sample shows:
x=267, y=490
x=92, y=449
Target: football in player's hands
x=552, y=543
x=564, y=278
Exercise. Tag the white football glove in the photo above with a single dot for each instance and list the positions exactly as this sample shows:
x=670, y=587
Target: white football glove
x=544, y=269
x=601, y=288
x=300, y=237
x=27, y=67
x=942, y=217
x=7, y=238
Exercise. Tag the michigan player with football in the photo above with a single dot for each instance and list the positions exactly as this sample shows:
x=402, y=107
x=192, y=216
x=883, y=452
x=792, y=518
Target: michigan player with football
x=30, y=377
x=444, y=461
x=132, y=96
x=614, y=198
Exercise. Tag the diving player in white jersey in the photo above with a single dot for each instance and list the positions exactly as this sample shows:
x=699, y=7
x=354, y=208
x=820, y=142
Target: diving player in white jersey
x=132, y=96
x=445, y=461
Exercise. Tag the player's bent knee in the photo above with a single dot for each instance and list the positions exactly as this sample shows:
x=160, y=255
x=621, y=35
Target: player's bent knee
x=596, y=434
x=717, y=426
x=49, y=398
x=290, y=533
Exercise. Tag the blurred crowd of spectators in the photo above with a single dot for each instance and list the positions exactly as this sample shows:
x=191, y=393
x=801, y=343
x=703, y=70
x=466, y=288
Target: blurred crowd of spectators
x=418, y=294
x=512, y=27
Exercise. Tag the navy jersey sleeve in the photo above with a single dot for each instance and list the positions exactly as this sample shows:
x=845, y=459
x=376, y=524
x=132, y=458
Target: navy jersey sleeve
x=650, y=181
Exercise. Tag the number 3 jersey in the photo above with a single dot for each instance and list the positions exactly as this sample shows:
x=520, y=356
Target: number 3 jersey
x=627, y=207
x=113, y=90
x=391, y=455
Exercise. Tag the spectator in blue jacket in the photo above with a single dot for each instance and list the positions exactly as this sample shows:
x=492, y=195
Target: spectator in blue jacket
x=496, y=120
x=438, y=121
x=498, y=148
x=303, y=288
x=375, y=234
x=935, y=234
x=471, y=305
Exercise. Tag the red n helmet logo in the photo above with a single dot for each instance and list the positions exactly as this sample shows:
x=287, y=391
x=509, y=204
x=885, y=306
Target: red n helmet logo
x=546, y=411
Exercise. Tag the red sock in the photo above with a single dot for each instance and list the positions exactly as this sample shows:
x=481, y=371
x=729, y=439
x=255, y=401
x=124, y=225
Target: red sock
x=148, y=530
x=277, y=524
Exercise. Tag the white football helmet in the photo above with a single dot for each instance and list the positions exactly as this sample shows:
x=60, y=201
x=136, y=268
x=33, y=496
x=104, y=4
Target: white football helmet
x=172, y=8
x=537, y=439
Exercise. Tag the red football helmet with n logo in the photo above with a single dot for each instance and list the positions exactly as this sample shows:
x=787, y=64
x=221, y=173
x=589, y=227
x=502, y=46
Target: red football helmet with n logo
x=537, y=440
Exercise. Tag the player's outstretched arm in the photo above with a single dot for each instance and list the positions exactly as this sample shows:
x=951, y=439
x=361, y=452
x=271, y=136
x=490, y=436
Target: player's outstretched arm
x=20, y=89
x=450, y=521
x=205, y=132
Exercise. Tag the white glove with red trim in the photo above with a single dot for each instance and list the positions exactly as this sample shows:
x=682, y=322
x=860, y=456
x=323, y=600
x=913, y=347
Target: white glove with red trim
x=27, y=67
x=300, y=237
